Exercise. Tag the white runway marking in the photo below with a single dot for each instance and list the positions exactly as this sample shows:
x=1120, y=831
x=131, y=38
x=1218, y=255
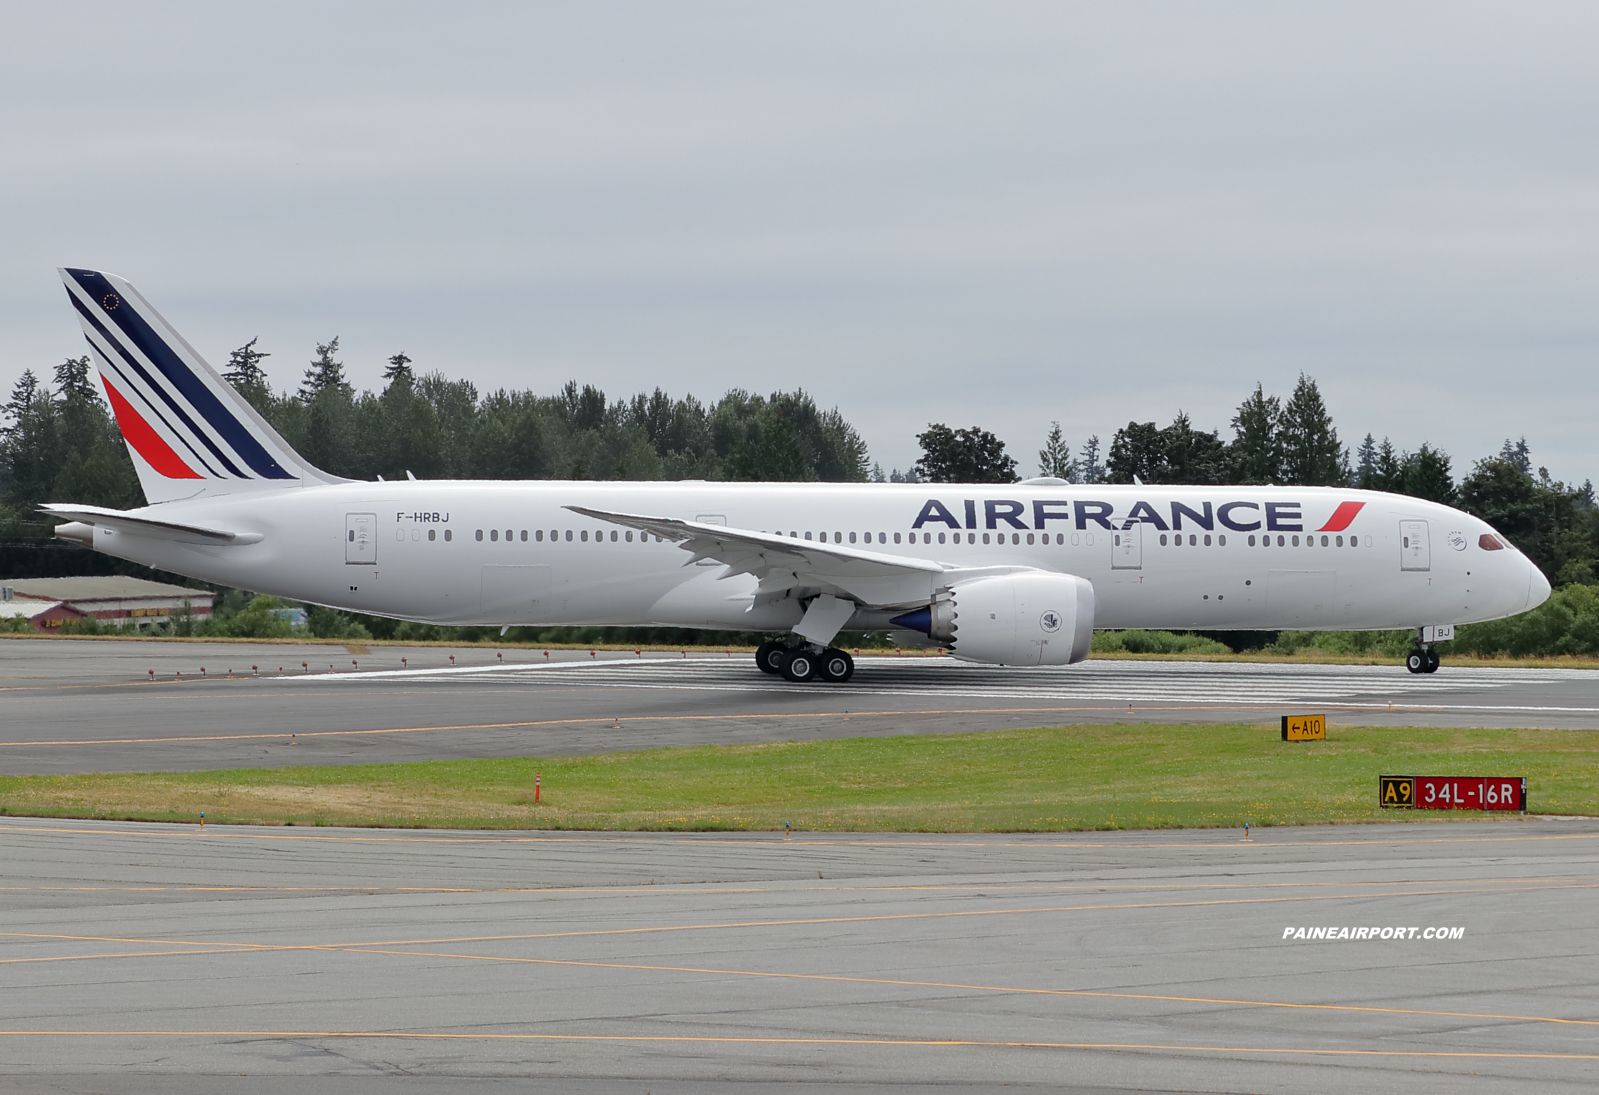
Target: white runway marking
x=1139, y=683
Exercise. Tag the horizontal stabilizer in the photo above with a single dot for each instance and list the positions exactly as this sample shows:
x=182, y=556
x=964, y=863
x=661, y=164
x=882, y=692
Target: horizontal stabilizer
x=137, y=525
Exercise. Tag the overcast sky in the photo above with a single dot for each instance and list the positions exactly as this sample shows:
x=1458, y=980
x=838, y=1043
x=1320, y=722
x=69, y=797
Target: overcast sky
x=990, y=214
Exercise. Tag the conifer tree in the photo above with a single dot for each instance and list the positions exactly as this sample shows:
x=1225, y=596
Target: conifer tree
x=73, y=380
x=245, y=373
x=325, y=374
x=1089, y=469
x=1055, y=458
x=1256, y=451
x=398, y=371
x=1311, y=453
x=1366, y=464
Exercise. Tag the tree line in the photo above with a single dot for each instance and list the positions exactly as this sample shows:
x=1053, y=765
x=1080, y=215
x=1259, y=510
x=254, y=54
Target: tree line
x=58, y=442
x=1294, y=442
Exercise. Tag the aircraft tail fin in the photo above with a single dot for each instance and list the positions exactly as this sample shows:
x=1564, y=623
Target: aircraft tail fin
x=189, y=432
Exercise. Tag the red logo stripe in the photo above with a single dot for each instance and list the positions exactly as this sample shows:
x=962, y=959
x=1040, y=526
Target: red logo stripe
x=1341, y=517
x=156, y=452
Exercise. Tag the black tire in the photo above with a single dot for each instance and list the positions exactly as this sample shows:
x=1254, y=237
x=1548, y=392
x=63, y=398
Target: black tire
x=769, y=657
x=1416, y=661
x=799, y=665
x=835, y=666
x=1433, y=660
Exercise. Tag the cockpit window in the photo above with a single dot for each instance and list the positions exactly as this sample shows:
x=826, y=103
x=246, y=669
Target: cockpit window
x=1489, y=542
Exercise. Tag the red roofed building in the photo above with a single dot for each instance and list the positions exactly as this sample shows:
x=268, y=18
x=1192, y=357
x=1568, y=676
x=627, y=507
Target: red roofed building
x=49, y=602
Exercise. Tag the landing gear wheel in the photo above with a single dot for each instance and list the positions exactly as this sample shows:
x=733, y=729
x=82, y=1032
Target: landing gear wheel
x=1416, y=661
x=769, y=657
x=1432, y=660
x=799, y=665
x=835, y=666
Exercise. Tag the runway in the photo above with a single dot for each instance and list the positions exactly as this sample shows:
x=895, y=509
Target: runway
x=156, y=958
x=123, y=706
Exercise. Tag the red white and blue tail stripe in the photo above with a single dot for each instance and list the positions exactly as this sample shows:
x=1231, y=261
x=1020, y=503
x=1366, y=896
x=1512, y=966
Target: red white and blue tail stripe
x=190, y=434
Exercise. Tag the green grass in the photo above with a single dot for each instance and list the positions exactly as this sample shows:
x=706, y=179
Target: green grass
x=1131, y=776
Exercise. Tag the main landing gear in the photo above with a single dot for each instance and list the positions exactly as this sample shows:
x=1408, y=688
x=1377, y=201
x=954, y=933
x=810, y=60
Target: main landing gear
x=1423, y=659
x=804, y=662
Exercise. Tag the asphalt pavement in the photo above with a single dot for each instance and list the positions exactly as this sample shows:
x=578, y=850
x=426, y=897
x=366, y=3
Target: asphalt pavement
x=241, y=961
x=74, y=706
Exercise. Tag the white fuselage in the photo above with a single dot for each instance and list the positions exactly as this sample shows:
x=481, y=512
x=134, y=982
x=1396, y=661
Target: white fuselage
x=466, y=552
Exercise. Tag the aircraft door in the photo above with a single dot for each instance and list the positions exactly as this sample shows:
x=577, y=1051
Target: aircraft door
x=1415, y=553
x=1127, y=548
x=361, y=538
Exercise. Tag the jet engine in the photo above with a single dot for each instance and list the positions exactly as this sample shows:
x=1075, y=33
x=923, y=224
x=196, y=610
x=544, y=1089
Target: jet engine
x=1011, y=619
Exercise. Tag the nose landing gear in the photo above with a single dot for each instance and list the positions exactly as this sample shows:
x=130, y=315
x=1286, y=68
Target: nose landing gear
x=1423, y=659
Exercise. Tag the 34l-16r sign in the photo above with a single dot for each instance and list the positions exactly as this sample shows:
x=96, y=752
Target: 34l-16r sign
x=1454, y=792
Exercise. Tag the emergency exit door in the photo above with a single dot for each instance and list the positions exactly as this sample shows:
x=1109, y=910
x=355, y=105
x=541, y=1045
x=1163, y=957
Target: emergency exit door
x=360, y=538
x=1415, y=553
x=1127, y=547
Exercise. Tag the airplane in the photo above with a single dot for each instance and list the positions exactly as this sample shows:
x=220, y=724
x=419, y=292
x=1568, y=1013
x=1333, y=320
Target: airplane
x=1004, y=574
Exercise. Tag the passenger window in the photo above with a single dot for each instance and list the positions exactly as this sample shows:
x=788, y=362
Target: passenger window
x=1221, y=541
x=630, y=537
x=569, y=536
x=1029, y=539
x=1251, y=541
x=1207, y=541
x=494, y=534
x=539, y=535
x=807, y=536
x=941, y=537
x=480, y=534
x=852, y=537
x=1015, y=537
x=985, y=537
x=448, y=535
x=1163, y=539
x=433, y=534
x=896, y=537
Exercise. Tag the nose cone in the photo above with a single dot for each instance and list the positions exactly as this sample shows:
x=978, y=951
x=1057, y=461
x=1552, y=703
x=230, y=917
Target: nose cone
x=1537, y=586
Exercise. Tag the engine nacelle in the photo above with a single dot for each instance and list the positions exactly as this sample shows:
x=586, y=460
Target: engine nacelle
x=1012, y=619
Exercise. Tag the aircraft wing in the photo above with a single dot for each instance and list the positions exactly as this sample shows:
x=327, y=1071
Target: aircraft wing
x=139, y=525
x=785, y=567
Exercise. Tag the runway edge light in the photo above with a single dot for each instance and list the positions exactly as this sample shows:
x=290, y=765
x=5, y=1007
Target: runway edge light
x=1304, y=727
